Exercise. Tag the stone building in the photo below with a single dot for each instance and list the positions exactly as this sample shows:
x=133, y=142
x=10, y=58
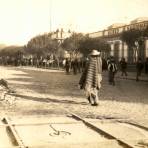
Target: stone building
x=119, y=48
x=61, y=34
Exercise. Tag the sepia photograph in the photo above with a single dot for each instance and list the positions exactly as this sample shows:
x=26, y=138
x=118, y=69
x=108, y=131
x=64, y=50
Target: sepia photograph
x=74, y=74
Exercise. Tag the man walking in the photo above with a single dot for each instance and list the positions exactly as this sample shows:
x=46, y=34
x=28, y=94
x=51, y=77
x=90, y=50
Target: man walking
x=91, y=78
x=139, y=68
x=67, y=66
x=123, y=65
x=112, y=69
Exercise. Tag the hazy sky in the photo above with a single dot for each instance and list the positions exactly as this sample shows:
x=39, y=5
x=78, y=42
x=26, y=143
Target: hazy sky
x=20, y=20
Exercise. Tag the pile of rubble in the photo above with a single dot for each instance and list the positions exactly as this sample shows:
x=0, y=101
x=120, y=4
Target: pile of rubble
x=6, y=93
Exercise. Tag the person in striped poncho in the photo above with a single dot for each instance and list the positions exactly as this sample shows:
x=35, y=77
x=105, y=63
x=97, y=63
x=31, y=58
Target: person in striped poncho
x=91, y=78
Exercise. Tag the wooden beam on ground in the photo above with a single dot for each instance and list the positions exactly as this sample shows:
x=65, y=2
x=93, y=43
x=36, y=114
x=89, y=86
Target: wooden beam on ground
x=101, y=131
x=14, y=137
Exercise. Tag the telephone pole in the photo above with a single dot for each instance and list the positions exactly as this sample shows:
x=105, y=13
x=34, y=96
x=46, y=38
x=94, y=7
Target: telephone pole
x=50, y=16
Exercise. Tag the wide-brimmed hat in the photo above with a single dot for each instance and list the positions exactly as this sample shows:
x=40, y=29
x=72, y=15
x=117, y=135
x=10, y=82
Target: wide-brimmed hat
x=95, y=53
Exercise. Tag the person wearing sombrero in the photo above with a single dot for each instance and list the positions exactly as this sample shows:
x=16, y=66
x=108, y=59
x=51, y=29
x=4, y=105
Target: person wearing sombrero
x=91, y=78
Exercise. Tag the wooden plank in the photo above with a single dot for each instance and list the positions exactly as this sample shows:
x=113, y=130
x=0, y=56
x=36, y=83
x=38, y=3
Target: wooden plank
x=16, y=140
x=100, y=131
x=134, y=124
x=38, y=124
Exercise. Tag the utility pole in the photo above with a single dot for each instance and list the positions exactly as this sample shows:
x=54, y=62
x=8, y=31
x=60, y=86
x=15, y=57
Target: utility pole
x=50, y=16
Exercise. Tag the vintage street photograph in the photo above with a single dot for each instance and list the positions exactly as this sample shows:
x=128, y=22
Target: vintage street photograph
x=74, y=74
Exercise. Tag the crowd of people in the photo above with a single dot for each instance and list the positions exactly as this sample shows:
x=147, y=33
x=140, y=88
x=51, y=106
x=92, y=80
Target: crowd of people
x=91, y=77
x=31, y=61
x=74, y=65
x=90, y=67
x=77, y=65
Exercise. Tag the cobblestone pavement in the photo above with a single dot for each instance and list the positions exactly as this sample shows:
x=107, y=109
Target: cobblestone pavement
x=42, y=92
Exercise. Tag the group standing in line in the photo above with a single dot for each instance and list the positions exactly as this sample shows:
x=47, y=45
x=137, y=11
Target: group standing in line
x=75, y=65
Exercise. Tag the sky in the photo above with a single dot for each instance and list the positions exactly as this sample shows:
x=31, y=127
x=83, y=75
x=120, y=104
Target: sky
x=20, y=20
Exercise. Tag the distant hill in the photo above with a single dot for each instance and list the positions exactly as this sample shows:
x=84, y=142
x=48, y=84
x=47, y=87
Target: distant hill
x=11, y=50
x=2, y=46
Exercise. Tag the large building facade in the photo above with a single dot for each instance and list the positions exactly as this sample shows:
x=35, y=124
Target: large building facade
x=119, y=48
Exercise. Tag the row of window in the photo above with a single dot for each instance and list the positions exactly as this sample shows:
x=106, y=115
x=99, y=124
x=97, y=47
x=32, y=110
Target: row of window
x=126, y=28
x=115, y=31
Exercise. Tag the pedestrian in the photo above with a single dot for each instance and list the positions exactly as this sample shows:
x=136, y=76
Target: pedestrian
x=74, y=66
x=84, y=63
x=112, y=69
x=91, y=77
x=146, y=66
x=104, y=64
x=63, y=63
x=123, y=66
x=79, y=65
x=67, y=65
x=139, y=68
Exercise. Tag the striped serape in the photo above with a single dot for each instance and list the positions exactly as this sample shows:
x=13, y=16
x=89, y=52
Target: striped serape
x=91, y=76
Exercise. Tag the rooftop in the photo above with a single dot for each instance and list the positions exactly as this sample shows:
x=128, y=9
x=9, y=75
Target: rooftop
x=116, y=25
x=139, y=19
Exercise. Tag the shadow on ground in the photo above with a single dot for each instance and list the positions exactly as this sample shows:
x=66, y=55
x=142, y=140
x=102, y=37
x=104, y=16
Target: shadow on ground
x=49, y=100
x=60, y=84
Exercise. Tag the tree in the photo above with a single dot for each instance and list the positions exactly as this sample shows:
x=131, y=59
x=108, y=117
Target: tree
x=10, y=54
x=87, y=44
x=145, y=32
x=84, y=44
x=42, y=45
x=12, y=51
x=132, y=39
x=72, y=43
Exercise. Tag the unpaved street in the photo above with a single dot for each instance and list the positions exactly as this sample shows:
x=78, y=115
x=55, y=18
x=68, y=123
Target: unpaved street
x=46, y=92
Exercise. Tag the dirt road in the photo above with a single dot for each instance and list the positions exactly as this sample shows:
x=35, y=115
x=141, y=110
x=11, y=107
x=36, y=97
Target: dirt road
x=42, y=92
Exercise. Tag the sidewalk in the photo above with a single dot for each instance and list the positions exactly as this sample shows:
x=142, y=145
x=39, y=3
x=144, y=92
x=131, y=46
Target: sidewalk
x=51, y=69
x=131, y=76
